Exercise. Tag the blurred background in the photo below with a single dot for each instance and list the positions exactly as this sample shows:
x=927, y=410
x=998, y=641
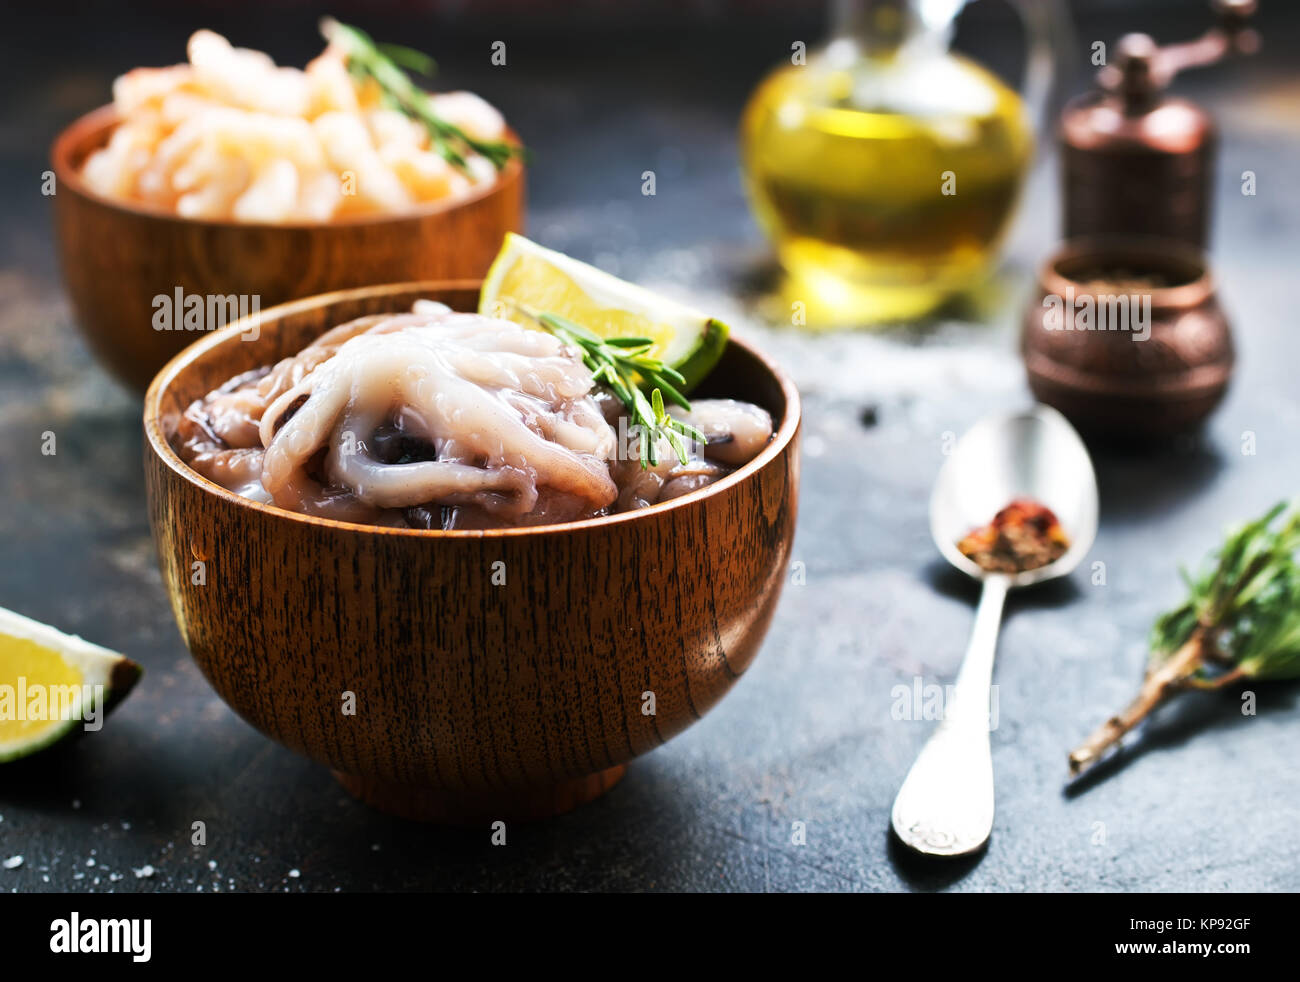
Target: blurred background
x=603, y=92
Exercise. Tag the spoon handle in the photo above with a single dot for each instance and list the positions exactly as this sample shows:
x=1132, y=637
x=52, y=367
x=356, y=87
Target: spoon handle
x=945, y=806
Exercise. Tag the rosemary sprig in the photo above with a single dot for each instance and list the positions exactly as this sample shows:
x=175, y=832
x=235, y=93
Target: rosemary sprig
x=1241, y=620
x=384, y=65
x=409, y=58
x=626, y=366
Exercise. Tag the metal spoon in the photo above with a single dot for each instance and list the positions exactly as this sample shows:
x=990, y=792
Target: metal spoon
x=945, y=807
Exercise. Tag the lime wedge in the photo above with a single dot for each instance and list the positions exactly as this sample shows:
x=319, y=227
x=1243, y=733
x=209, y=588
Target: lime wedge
x=52, y=685
x=528, y=276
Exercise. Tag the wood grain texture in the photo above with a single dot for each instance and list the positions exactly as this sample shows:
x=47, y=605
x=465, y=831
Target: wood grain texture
x=467, y=691
x=117, y=257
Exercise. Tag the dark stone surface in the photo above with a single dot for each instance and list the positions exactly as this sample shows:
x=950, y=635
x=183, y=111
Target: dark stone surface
x=1208, y=800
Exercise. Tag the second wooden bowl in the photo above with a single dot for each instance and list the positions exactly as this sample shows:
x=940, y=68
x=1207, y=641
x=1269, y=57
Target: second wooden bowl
x=118, y=257
x=461, y=676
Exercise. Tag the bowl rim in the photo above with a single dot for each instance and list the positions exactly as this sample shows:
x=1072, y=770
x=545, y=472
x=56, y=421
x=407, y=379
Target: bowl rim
x=157, y=442
x=77, y=134
x=1152, y=250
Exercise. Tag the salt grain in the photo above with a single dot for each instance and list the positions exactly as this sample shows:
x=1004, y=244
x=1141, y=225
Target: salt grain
x=13, y=862
x=144, y=872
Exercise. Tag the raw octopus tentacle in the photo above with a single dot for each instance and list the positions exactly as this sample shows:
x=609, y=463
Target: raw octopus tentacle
x=405, y=485
x=288, y=372
x=736, y=431
x=456, y=391
x=435, y=419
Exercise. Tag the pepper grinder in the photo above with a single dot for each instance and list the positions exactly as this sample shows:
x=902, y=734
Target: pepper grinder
x=1137, y=161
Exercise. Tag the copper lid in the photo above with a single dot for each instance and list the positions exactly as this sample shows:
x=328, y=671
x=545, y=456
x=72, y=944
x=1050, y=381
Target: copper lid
x=1136, y=161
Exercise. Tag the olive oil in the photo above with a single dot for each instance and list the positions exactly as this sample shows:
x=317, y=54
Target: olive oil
x=885, y=181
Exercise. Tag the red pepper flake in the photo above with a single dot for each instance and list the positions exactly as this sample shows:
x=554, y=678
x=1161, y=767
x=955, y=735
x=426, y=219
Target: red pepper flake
x=1024, y=535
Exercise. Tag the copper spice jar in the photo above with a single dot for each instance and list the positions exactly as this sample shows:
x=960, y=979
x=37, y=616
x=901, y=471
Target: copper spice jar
x=1126, y=337
x=1136, y=161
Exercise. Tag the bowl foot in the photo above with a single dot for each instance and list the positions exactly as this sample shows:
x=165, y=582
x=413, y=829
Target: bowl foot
x=471, y=807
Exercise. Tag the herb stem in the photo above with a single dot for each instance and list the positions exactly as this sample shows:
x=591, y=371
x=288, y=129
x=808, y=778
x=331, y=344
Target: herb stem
x=627, y=367
x=1159, y=685
x=367, y=60
x=1240, y=620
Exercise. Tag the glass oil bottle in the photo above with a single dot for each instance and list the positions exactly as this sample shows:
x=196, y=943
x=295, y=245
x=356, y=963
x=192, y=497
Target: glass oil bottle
x=884, y=170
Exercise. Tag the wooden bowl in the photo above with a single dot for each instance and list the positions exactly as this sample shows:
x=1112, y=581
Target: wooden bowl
x=118, y=257
x=477, y=696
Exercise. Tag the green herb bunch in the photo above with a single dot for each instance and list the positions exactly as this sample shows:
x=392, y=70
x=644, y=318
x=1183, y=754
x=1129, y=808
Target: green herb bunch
x=1241, y=620
x=386, y=65
x=626, y=366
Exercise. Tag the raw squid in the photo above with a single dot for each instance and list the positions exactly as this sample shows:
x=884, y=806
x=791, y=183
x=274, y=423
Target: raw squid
x=439, y=420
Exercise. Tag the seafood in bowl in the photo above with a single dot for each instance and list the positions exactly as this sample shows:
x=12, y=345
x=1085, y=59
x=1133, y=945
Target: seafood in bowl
x=442, y=420
x=497, y=673
x=235, y=184
x=232, y=136
x=437, y=419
